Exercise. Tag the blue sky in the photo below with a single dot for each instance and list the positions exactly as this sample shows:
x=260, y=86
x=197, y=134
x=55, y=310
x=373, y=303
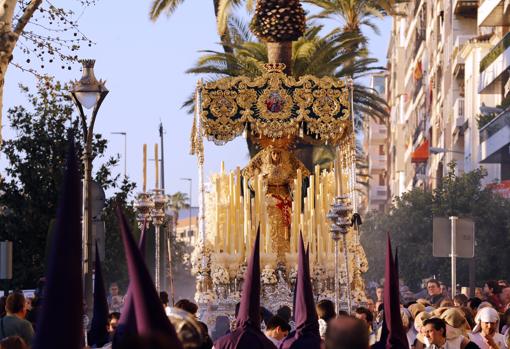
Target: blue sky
x=144, y=64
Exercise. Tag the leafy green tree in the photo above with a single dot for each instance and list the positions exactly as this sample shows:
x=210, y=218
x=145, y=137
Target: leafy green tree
x=410, y=224
x=36, y=155
x=115, y=269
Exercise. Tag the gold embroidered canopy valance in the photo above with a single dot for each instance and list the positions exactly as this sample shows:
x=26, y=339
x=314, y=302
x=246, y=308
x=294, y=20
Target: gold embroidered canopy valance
x=275, y=105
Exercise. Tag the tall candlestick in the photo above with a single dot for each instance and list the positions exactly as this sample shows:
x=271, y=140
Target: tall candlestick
x=144, y=185
x=156, y=162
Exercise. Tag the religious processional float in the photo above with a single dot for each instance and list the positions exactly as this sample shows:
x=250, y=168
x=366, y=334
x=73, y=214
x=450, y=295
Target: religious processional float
x=275, y=191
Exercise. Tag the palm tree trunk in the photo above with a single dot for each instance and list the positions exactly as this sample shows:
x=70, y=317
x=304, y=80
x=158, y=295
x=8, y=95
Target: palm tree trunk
x=280, y=52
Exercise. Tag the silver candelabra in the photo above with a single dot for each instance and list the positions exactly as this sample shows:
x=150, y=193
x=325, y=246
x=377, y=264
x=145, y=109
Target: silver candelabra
x=340, y=217
x=151, y=208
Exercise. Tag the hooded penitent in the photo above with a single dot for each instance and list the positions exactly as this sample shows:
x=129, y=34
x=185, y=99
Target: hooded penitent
x=127, y=321
x=60, y=324
x=396, y=334
x=307, y=323
x=248, y=335
x=151, y=319
x=98, y=334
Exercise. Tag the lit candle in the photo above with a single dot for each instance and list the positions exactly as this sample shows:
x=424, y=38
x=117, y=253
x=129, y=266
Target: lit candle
x=156, y=162
x=144, y=186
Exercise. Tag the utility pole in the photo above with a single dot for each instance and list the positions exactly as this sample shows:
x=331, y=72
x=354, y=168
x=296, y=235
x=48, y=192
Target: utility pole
x=162, y=156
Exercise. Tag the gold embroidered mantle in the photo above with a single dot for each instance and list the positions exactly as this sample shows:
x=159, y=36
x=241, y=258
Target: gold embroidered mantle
x=275, y=105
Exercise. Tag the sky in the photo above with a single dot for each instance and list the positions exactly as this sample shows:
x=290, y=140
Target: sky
x=144, y=65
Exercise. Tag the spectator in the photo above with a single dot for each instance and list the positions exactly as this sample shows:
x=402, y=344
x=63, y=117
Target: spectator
x=492, y=291
x=13, y=342
x=163, y=296
x=346, y=332
x=285, y=313
x=485, y=334
x=435, y=295
x=115, y=299
x=379, y=294
x=113, y=321
x=460, y=300
x=473, y=304
x=188, y=306
x=277, y=329
x=367, y=316
x=14, y=323
x=325, y=312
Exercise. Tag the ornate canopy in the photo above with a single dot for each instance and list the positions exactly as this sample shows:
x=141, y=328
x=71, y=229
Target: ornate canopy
x=275, y=105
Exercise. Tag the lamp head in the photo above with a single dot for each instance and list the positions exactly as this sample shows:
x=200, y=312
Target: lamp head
x=88, y=89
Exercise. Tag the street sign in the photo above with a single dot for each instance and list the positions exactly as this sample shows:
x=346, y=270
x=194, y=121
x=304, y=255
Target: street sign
x=442, y=238
x=5, y=260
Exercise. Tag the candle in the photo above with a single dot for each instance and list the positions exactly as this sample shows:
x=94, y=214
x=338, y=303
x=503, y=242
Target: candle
x=144, y=186
x=218, y=227
x=156, y=162
x=238, y=211
x=299, y=186
x=247, y=227
x=232, y=220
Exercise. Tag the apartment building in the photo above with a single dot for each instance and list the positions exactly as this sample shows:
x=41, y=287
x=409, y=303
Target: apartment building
x=186, y=228
x=375, y=144
x=448, y=73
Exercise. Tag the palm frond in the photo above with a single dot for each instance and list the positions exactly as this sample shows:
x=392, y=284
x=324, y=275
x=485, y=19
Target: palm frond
x=163, y=6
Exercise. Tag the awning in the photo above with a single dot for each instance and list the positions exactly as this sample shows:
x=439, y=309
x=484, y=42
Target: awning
x=421, y=154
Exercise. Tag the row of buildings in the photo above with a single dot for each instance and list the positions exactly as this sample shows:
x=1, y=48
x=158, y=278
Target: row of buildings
x=448, y=88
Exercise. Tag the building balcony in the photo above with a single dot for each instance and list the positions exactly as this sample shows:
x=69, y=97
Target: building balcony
x=494, y=13
x=465, y=8
x=495, y=140
x=458, y=61
x=458, y=116
x=377, y=132
x=494, y=67
x=377, y=163
x=379, y=193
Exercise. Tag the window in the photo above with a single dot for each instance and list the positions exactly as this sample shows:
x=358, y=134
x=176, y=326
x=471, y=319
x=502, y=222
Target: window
x=381, y=179
x=381, y=149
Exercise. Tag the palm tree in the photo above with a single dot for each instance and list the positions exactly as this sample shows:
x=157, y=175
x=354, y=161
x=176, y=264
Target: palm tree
x=354, y=14
x=328, y=55
x=168, y=7
x=177, y=202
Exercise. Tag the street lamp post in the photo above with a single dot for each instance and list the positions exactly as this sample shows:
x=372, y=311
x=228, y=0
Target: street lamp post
x=190, y=187
x=88, y=93
x=125, y=149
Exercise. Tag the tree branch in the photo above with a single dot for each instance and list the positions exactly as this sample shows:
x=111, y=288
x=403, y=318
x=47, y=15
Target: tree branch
x=25, y=18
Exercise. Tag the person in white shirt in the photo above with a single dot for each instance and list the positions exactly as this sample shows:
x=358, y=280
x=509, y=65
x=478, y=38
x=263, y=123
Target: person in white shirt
x=277, y=330
x=485, y=334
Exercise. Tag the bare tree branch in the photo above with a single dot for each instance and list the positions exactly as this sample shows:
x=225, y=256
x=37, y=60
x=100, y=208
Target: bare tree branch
x=25, y=18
